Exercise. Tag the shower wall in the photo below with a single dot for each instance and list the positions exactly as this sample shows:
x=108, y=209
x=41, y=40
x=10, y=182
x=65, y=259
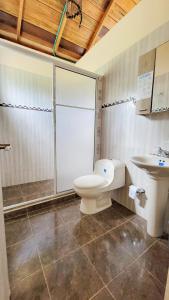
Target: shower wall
x=52, y=119
x=26, y=122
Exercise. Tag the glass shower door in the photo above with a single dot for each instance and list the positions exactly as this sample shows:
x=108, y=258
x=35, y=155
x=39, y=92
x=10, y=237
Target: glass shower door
x=75, y=127
x=26, y=122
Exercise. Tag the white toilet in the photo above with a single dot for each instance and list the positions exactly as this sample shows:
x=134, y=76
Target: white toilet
x=95, y=190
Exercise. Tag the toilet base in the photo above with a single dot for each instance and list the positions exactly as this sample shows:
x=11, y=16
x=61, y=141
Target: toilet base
x=91, y=206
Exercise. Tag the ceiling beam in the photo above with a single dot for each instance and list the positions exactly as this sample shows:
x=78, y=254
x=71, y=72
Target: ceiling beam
x=60, y=33
x=60, y=29
x=39, y=45
x=20, y=15
x=101, y=23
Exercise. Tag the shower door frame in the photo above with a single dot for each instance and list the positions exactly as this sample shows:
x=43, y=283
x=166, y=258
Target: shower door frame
x=76, y=70
x=69, y=67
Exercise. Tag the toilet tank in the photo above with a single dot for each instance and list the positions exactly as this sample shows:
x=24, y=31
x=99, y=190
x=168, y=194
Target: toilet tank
x=113, y=170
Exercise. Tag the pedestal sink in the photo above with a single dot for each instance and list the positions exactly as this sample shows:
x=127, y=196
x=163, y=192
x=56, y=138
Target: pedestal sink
x=157, y=168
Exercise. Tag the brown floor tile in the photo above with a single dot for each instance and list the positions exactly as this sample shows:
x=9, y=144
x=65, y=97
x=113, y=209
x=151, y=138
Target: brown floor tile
x=72, y=278
x=109, y=218
x=136, y=284
x=85, y=229
x=165, y=239
x=30, y=188
x=44, y=221
x=107, y=256
x=23, y=260
x=17, y=231
x=15, y=215
x=13, y=201
x=34, y=190
x=70, y=212
x=103, y=295
x=65, y=201
x=46, y=186
x=31, y=288
x=55, y=243
x=42, y=207
x=125, y=212
x=28, y=191
x=132, y=238
x=36, y=196
x=12, y=194
x=156, y=261
x=142, y=223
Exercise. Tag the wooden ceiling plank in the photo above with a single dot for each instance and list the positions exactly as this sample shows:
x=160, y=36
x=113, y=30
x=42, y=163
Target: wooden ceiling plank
x=101, y=22
x=5, y=33
x=39, y=44
x=10, y=7
x=20, y=15
x=35, y=43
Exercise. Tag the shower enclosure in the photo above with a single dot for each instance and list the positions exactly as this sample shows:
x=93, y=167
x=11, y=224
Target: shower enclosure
x=50, y=123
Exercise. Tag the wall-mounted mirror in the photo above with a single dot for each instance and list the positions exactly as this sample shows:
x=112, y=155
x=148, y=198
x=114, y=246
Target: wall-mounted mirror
x=160, y=101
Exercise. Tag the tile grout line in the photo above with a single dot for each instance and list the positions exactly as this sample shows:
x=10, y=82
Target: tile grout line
x=127, y=251
x=41, y=264
x=162, y=285
x=165, y=246
x=94, y=268
x=110, y=293
x=130, y=264
x=20, y=280
x=97, y=293
x=80, y=247
x=87, y=243
x=41, y=211
x=10, y=220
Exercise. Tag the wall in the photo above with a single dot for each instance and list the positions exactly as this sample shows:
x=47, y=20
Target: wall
x=26, y=119
x=124, y=133
x=146, y=17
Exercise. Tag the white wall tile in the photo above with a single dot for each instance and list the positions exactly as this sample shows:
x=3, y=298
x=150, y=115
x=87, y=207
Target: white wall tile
x=124, y=133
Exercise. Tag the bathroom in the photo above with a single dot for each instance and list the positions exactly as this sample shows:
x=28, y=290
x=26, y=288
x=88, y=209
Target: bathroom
x=84, y=150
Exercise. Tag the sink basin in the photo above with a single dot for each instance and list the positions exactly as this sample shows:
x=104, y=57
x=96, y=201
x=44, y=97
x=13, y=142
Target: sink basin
x=153, y=164
x=157, y=168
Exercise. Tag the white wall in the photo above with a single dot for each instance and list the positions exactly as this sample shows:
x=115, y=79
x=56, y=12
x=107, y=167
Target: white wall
x=17, y=59
x=25, y=81
x=124, y=133
x=146, y=17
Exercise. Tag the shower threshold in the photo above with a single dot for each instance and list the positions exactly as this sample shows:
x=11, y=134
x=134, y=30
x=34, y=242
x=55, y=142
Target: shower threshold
x=17, y=194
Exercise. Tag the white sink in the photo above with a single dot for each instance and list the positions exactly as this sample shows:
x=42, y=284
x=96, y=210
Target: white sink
x=153, y=164
x=157, y=168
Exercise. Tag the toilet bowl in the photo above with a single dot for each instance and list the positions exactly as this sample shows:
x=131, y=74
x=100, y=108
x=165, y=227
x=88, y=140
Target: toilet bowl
x=95, y=189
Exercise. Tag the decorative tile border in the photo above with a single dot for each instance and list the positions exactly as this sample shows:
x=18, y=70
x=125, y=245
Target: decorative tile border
x=25, y=107
x=117, y=102
x=160, y=109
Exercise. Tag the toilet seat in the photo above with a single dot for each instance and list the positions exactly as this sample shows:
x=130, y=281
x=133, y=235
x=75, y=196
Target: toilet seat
x=90, y=181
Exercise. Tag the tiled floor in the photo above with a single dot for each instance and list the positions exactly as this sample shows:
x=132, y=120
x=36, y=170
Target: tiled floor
x=57, y=253
x=28, y=191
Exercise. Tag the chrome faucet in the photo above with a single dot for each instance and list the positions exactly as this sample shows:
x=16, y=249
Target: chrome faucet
x=162, y=152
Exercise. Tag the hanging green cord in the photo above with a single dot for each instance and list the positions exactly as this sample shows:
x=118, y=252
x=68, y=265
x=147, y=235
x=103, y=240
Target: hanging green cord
x=59, y=27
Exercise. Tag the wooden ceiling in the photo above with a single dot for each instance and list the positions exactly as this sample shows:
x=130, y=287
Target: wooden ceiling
x=34, y=23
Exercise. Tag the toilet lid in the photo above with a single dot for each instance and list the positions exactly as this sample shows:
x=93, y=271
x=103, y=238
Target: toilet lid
x=89, y=181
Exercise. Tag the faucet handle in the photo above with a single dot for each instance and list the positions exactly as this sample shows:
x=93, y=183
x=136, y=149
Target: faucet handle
x=156, y=151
